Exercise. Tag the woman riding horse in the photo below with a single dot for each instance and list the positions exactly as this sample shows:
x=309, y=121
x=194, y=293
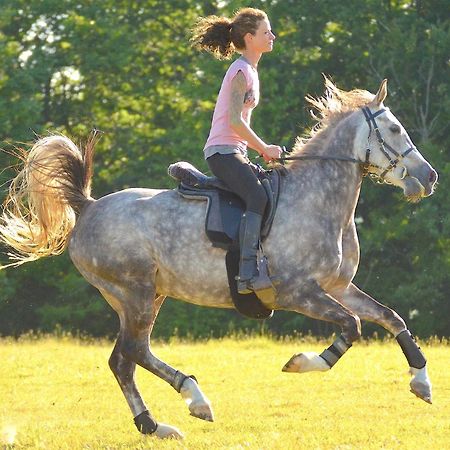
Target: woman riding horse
x=248, y=33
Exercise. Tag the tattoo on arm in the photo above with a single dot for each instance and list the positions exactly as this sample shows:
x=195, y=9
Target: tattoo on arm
x=241, y=127
x=238, y=89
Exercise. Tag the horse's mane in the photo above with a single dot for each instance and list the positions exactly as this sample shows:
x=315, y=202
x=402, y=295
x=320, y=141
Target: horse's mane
x=331, y=108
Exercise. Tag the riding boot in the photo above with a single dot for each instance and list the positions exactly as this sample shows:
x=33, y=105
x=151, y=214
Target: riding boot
x=250, y=279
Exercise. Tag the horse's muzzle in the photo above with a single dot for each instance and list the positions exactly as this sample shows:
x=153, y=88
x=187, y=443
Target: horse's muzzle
x=428, y=181
x=426, y=176
x=432, y=180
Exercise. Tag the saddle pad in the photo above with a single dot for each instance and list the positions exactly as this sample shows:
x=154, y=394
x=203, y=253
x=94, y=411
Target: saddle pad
x=225, y=209
x=223, y=214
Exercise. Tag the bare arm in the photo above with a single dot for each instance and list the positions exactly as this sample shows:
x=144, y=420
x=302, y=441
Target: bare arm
x=238, y=124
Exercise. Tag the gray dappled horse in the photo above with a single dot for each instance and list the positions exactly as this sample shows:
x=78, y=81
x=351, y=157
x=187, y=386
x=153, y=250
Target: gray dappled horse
x=138, y=246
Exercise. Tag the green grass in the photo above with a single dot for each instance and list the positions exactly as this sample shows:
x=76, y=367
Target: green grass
x=58, y=393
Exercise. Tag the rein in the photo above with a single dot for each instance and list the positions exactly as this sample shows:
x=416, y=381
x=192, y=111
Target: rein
x=282, y=159
x=367, y=164
x=364, y=165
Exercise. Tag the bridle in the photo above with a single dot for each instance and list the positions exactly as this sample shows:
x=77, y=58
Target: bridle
x=384, y=146
x=366, y=164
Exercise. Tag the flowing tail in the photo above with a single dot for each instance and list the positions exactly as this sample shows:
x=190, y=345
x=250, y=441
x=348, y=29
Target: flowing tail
x=45, y=198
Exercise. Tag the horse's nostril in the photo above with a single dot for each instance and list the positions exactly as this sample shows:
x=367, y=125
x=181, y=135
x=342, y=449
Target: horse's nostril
x=432, y=177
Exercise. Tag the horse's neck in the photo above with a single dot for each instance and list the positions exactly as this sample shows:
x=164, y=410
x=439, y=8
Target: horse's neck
x=336, y=186
x=331, y=185
x=338, y=183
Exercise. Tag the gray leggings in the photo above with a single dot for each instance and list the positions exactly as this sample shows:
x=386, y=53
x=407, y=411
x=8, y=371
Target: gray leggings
x=236, y=172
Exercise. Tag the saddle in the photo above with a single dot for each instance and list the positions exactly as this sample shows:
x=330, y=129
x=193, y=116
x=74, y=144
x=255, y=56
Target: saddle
x=224, y=208
x=223, y=216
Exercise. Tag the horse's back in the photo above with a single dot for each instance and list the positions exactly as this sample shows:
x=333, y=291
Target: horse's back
x=126, y=219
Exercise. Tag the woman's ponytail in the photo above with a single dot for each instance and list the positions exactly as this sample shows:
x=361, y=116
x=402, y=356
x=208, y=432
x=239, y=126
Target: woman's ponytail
x=221, y=36
x=213, y=34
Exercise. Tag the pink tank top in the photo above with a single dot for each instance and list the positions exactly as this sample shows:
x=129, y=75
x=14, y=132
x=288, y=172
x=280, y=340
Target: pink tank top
x=221, y=132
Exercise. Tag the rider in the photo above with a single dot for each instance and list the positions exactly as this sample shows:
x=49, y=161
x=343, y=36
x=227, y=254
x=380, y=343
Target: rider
x=248, y=33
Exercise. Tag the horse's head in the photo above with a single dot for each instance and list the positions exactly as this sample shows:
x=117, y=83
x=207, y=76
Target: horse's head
x=383, y=143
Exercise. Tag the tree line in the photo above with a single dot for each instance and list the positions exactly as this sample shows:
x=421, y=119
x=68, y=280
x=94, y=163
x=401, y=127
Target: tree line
x=126, y=68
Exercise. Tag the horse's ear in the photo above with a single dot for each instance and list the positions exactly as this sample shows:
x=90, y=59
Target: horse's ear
x=382, y=93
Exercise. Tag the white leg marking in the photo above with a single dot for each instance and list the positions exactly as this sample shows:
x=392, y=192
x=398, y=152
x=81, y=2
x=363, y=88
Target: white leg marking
x=306, y=362
x=420, y=384
x=164, y=431
x=199, y=405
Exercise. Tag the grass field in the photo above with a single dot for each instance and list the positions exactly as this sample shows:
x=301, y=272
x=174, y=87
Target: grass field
x=60, y=394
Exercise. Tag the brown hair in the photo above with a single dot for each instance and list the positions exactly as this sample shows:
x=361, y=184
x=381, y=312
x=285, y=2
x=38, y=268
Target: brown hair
x=222, y=36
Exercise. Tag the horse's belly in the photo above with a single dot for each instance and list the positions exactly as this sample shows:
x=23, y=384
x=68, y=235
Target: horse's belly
x=207, y=287
x=190, y=269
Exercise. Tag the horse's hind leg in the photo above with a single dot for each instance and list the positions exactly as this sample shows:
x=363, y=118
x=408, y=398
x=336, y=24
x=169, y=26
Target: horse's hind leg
x=137, y=314
x=369, y=309
x=123, y=369
x=313, y=302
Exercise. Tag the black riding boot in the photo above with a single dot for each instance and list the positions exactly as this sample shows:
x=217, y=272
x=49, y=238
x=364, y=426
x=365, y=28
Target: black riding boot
x=250, y=279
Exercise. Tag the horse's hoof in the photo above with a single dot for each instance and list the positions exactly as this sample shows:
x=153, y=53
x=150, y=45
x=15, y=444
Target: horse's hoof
x=306, y=362
x=420, y=384
x=168, y=432
x=202, y=410
x=199, y=405
x=421, y=390
x=292, y=364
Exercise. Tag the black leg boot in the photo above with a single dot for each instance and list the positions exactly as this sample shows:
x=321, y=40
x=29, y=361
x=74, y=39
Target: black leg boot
x=249, y=277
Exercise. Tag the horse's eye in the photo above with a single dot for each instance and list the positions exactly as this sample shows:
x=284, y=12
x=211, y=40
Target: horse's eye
x=395, y=128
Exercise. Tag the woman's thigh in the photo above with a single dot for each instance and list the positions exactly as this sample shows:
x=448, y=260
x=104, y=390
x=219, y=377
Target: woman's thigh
x=233, y=169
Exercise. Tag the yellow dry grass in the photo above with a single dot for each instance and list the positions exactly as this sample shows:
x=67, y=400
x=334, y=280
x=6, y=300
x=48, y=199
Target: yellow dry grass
x=58, y=393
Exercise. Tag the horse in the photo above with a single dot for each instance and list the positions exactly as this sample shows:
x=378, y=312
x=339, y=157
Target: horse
x=138, y=246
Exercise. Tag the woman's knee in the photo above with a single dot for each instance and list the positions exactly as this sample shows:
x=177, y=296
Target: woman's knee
x=256, y=200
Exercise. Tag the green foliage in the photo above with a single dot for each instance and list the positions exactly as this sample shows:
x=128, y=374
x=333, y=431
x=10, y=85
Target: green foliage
x=126, y=68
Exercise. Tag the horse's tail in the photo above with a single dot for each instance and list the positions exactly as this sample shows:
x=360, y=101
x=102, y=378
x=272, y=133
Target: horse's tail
x=45, y=198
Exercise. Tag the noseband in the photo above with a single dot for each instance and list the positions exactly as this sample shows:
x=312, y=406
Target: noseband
x=366, y=165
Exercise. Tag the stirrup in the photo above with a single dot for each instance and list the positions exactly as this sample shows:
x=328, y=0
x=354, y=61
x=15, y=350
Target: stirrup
x=266, y=292
x=262, y=284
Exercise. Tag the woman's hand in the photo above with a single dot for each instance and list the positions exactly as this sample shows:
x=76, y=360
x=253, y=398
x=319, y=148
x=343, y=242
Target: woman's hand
x=271, y=152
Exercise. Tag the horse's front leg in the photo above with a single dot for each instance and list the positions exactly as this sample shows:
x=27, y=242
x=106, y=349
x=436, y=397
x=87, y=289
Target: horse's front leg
x=311, y=300
x=369, y=309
